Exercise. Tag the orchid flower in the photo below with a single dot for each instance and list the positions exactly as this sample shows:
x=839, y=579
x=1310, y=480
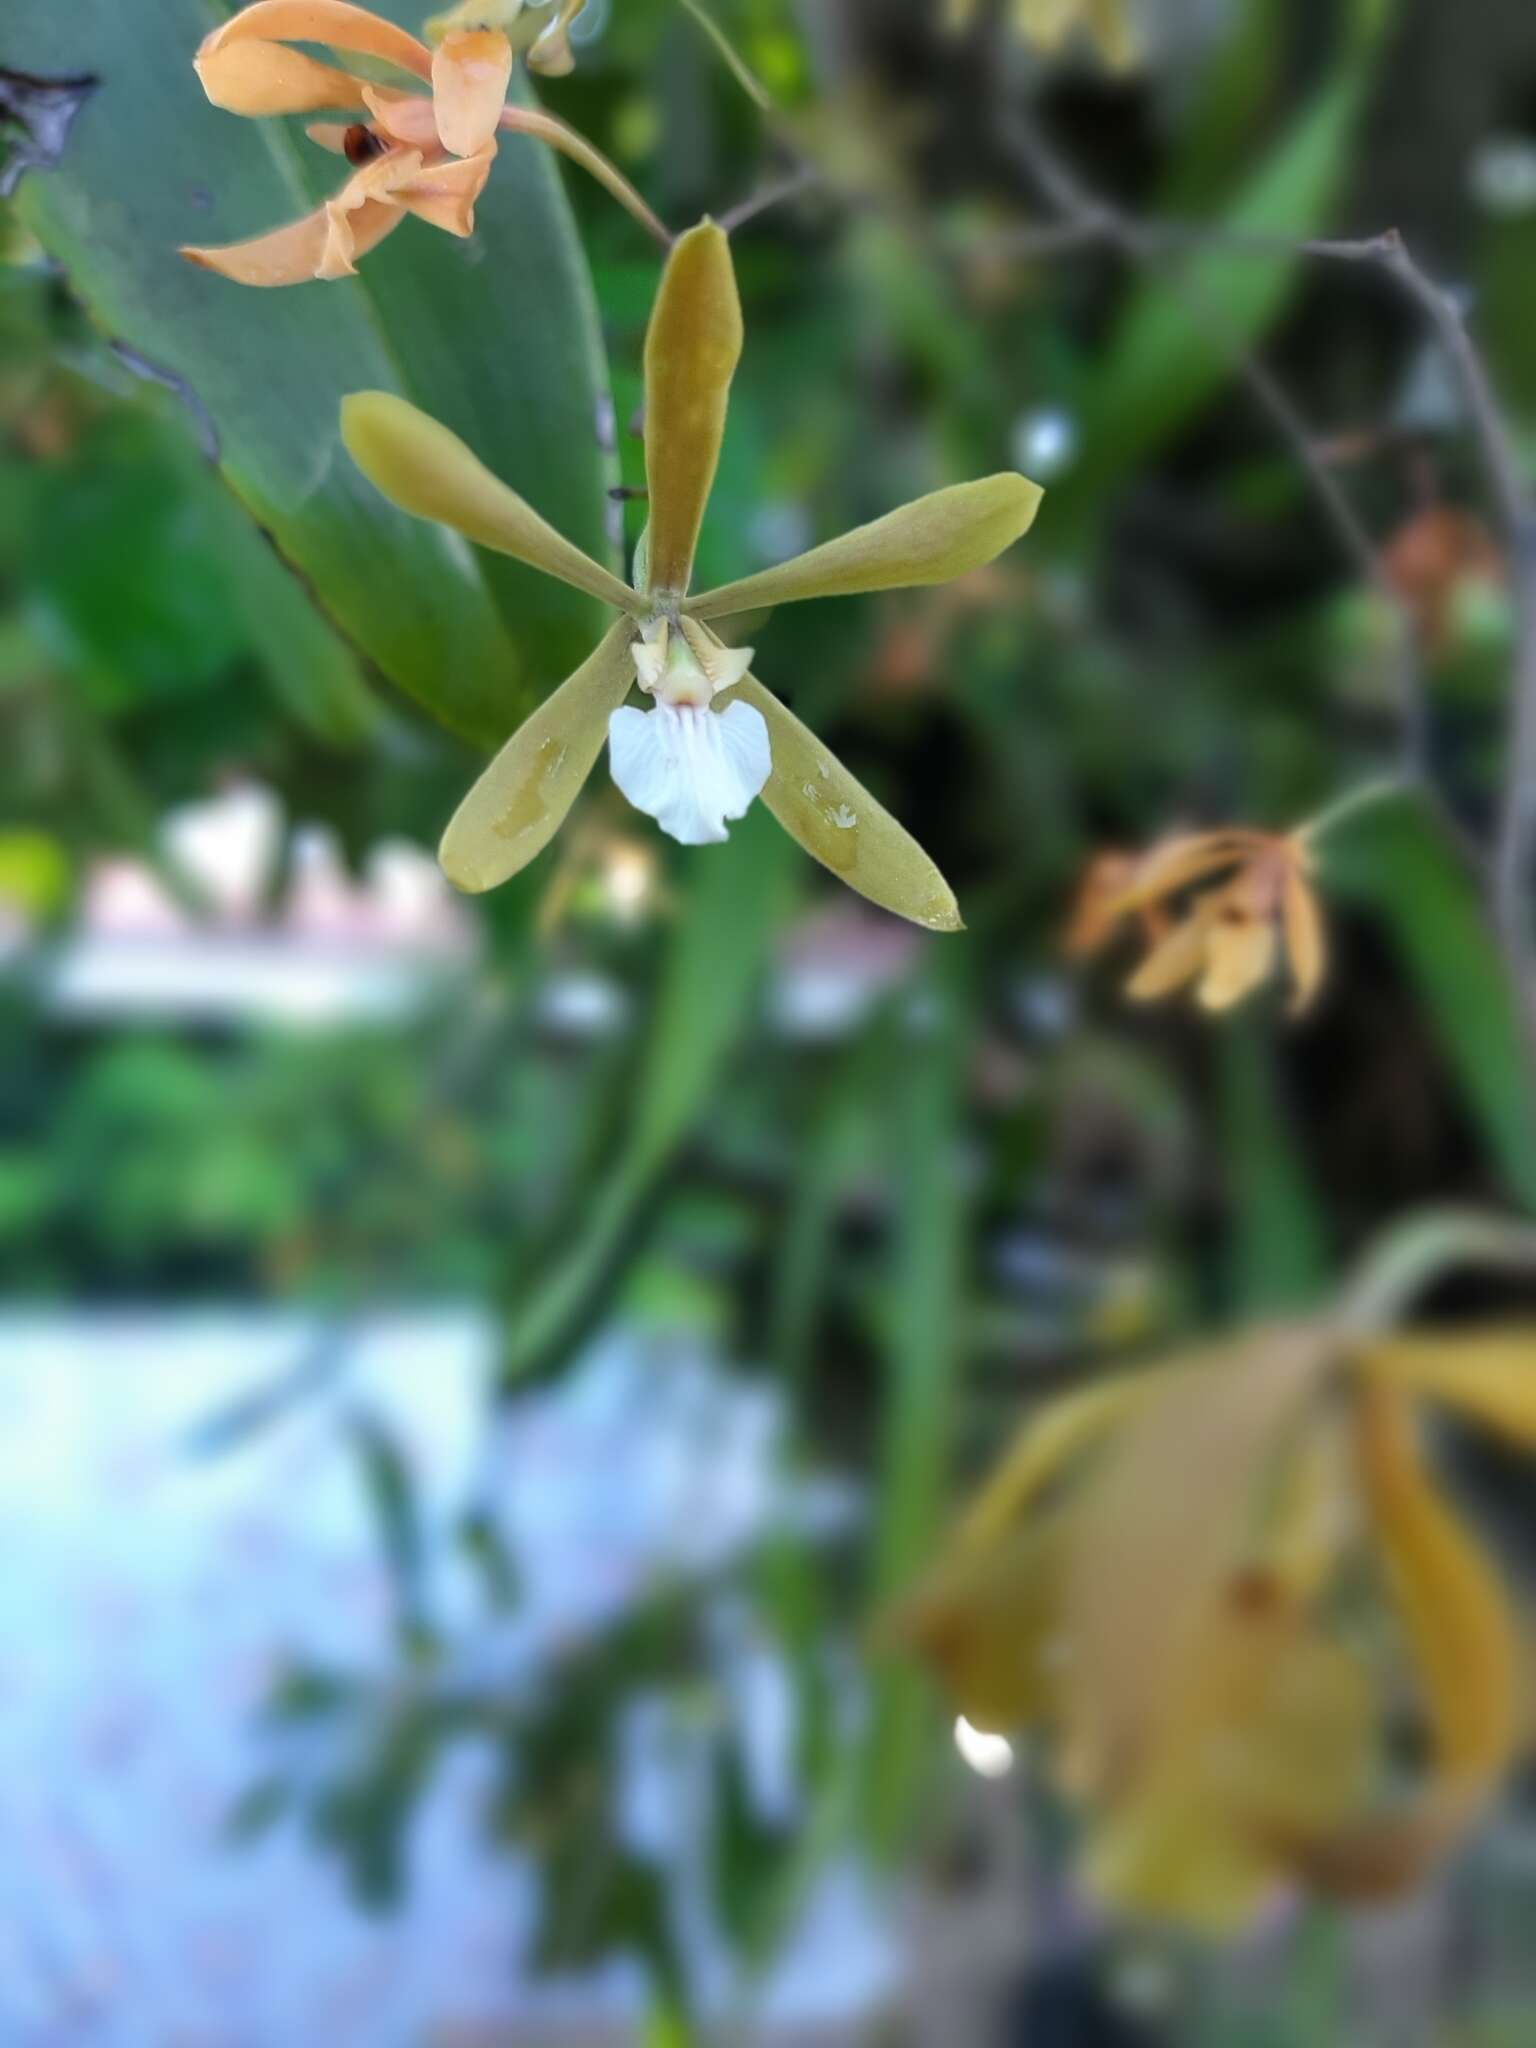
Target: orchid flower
x=1245, y=901
x=713, y=738
x=423, y=145
x=1180, y=1645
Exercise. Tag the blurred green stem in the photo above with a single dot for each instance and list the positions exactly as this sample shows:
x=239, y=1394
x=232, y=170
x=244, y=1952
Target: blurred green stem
x=1423, y=1250
x=1360, y=798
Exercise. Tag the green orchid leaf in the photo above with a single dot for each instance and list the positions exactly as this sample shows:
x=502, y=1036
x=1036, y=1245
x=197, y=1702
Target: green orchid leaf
x=496, y=337
x=921, y=1326
x=1395, y=858
x=737, y=900
x=1187, y=323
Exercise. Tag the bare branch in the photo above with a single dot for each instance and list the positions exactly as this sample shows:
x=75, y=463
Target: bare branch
x=1084, y=218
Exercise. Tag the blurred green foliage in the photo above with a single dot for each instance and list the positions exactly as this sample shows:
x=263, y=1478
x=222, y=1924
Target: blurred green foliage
x=996, y=1177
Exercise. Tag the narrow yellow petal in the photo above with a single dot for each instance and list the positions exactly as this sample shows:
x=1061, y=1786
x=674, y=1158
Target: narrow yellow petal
x=833, y=816
x=332, y=22
x=1270, y=1743
x=1176, y=959
x=1239, y=955
x=471, y=69
x=1490, y=1377
x=1459, y=1628
x=521, y=800
x=1456, y=1617
x=937, y=537
x=691, y=350
x=267, y=78
x=1053, y=1439
x=426, y=470
x=1188, y=857
x=1304, y=940
x=1155, y=1550
x=303, y=250
x=988, y=1625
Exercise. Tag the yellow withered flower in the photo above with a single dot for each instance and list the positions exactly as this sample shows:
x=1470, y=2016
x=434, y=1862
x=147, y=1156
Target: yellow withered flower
x=714, y=737
x=1048, y=24
x=1203, y=1582
x=421, y=146
x=1220, y=911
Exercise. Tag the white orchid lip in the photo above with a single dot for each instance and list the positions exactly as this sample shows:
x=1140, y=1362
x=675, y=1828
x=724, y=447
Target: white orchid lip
x=686, y=765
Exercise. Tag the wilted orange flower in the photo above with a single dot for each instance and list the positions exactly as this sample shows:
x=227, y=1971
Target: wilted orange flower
x=423, y=152
x=1221, y=909
x=1211, y=1663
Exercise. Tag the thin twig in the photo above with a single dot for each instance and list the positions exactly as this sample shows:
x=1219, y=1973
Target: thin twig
x=1084, y=219
x=558, y=134
x=731, y=57
x=789, y=187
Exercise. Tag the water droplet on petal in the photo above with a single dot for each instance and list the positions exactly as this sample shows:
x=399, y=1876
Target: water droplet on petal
x=526, y=806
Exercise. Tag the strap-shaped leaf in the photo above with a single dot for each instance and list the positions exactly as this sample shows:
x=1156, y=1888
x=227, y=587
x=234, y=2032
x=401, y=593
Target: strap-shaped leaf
x=500, y=341
x=520, y=802
x=424, y=469
x=691, y=350
x=332, y=22
x=929, y=541
x=834, y=817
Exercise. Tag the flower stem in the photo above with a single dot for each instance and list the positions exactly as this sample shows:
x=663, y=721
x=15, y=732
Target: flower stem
x=560, y=135
x=1357, y=799
x=1423, y=1250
